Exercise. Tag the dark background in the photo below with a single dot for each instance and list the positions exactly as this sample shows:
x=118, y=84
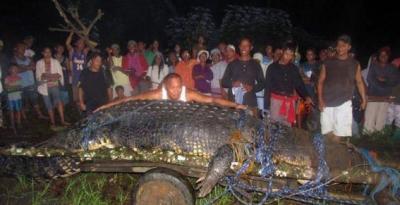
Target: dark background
x=372, y=24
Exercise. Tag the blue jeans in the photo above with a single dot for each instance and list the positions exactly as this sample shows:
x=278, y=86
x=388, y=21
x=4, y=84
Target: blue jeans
x=29, y=95
x=52, y=99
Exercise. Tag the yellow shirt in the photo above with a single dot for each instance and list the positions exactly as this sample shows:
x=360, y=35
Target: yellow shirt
x=119, y=77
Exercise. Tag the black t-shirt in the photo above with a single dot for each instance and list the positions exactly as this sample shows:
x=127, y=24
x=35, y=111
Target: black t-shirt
x=247, y=72
x=339, y=82
x=283, y=80
x=94, y=86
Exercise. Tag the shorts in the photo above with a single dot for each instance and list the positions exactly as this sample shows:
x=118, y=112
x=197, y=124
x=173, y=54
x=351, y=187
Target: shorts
x=52, y=99
x=30, y=96
x=15, y=105
x=393, y=115
x=64, y=96
x=338, y=120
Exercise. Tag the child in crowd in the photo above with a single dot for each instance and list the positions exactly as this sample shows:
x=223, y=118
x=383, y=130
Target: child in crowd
x=119, y=90
x=13, y=84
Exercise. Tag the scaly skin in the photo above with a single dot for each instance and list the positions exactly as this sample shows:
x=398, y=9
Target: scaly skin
x=188, y=134
x=173, y=132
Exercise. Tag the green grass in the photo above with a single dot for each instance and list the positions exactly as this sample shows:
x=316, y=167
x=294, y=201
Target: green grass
x=383, y=142
x=82, y=190
x=85, y=188
x=218, y=195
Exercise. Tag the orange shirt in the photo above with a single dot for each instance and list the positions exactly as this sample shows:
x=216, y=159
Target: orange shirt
x=184, y=69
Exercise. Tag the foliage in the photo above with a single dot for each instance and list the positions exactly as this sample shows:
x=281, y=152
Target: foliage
x=383, y=140
x=198, y=22
x=258, y=23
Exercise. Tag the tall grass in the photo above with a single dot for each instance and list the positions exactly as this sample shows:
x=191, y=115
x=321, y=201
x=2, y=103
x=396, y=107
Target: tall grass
x=218, y=195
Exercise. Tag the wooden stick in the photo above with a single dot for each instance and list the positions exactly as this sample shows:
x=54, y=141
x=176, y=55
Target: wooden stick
x=61, y=29
x=98, y=17
x=62, y=14
x=75, y=15
x=84, y=30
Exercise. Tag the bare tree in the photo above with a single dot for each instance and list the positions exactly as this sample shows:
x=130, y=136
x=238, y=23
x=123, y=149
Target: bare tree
x=73, y=22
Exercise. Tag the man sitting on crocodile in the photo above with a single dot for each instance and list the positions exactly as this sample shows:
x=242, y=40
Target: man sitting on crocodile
x=173, y=89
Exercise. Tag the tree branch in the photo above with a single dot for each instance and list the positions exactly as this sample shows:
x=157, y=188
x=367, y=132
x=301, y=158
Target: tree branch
x=84, y=30
x=75, y=15
x=98, y=17
x=61, y=29
x=64, y=15
x=66, y=29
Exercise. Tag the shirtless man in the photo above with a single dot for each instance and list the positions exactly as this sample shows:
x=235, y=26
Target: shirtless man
x=173, y=89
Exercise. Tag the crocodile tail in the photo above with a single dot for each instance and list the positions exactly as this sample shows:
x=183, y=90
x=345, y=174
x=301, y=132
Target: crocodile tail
x=40, y=168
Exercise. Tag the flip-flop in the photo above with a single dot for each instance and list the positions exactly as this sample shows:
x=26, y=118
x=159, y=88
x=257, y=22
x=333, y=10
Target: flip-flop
x=66, y=124
x=56, y=128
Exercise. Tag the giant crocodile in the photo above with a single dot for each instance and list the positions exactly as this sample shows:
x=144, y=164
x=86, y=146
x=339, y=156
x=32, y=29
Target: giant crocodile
x=189, y=134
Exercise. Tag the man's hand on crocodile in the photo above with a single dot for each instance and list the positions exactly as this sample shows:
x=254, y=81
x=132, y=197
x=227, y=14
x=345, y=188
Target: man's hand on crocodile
x=242, y=107
x=111, y=104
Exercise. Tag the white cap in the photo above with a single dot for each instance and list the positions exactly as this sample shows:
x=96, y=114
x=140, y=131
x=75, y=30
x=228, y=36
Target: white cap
x=231, y=47
x=258, y=56
x=215, y=51
x=203, y=51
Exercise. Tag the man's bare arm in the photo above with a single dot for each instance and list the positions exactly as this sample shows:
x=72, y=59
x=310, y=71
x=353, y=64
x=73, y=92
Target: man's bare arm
x=321, y=80
x=197, y=97
x=110, y=94
x=361, y=87
x=151, y=95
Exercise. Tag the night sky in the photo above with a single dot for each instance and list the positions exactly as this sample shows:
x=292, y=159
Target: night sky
x=370, y=23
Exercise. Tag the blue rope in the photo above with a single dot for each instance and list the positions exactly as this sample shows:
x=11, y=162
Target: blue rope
x=264, y=151
x=388, y=176
x=311, y=191
x=323, y=169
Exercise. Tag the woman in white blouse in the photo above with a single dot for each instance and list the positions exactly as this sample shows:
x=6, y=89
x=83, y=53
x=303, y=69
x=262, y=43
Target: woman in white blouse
x=157, y=71
x=50, y=77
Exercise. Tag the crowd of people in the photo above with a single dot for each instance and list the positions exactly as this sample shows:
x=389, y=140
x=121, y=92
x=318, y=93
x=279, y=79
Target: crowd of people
x=330, y=81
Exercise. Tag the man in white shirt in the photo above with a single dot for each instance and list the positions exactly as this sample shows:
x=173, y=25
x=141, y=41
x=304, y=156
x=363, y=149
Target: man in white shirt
x=173, y=89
